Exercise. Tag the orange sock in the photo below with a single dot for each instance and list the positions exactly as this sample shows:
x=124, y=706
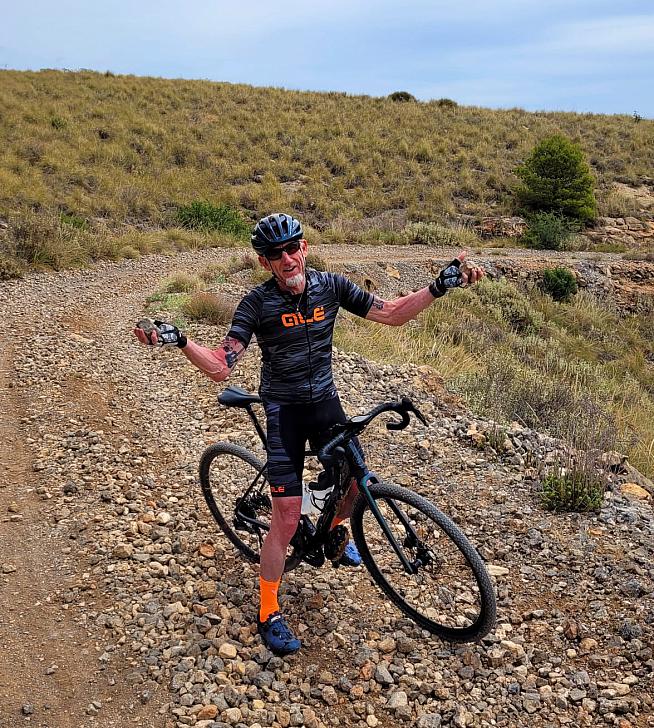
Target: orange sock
x=268, y=592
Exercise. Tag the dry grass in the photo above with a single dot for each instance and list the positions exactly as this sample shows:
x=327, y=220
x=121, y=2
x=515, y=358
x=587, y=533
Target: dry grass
x=209, y=308
x=116, y=151
x=181, y=283
x=520, y=356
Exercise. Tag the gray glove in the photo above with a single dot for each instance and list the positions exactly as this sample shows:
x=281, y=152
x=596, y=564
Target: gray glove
x=449, y=277
x=167, y=334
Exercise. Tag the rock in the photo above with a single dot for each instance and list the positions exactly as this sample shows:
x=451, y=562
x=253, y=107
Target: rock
x=495, y=570
x=227, y=651
x=232, y=716
x=27, y=709
x=635, y=491
x=387, y=645
x=207, y=589
x=383, y=676
x=571, y=629
x=123, y=551
x=207, y=550
x=164, y=518
x=397, y=699
x=8, y=568
x=207, y=712
x=429, y=720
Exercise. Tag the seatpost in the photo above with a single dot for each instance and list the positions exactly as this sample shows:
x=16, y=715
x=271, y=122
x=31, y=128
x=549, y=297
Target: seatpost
x=257, y=426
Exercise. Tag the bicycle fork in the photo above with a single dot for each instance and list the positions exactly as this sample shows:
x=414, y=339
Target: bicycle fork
x=409, y=567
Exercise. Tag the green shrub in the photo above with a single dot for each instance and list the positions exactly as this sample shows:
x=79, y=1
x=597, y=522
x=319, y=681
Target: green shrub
x=446, y=103
x=209, y=308
x=58, y=122
x=401, y=96
x=428, y=233
x=548, y=231
x=559, y=283
x=214, y=218
x=556, y=178
x=74, y=221
x=572, y=490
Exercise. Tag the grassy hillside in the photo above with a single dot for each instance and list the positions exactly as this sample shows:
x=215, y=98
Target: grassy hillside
x=101, y=152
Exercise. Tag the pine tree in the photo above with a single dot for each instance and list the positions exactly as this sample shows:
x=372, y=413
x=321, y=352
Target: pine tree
x=556, y=178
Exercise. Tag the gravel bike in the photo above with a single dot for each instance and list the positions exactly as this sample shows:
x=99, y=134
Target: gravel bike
x=418, y=556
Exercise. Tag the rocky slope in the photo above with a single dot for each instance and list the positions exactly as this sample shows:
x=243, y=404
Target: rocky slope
x=122, y=604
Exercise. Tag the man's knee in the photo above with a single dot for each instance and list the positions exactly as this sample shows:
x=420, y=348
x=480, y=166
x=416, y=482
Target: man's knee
x=286, y=514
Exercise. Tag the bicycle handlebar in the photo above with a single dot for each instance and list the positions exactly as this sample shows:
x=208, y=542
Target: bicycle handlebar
x=356, y=425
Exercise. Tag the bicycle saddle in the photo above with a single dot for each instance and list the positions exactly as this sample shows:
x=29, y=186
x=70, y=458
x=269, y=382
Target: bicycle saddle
x=237, y=397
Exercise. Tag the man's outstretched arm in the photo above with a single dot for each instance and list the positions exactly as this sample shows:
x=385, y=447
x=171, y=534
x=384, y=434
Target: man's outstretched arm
x=401, y=310
x=217, y=364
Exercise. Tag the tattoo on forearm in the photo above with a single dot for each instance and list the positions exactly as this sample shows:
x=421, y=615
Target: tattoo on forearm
x=377, y=303
x=233, y=349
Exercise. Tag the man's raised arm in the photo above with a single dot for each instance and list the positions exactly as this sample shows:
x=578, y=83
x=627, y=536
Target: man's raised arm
x=406, y=308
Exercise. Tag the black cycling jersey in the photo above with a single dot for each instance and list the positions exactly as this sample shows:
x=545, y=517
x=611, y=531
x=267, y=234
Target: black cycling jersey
x=295, y=334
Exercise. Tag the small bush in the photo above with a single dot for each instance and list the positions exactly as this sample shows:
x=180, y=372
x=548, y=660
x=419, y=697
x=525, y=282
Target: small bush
x=401, y=96
x=130, y=252
x=559, y=283
x=213, y=273
x=58, y=122
x=446, y=104
x=434, y=233
x=428, y=233
x=209, y=308
x=74, y=221
x=315, y=261
x=9, y=268
x=573, y=490
x=181, y=283
x=214, y=218
x=548, y=231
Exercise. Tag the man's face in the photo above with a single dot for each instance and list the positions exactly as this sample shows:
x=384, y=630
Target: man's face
x=289, y=268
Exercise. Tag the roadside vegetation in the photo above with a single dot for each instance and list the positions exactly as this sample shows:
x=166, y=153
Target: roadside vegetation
x=576, y=369
x=100, y=166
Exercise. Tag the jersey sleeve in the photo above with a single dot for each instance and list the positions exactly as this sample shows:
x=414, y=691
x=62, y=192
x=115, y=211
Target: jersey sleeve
x=246, y=318
x=350, y=296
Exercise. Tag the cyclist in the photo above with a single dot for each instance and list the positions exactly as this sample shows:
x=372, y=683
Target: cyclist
x=292, y=315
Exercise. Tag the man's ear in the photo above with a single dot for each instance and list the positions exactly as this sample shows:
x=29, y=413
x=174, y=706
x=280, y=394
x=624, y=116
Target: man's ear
x=265, y=263
x=304, y=246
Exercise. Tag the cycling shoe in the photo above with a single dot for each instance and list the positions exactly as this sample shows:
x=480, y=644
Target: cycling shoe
x=277, y=635
x=351, y=555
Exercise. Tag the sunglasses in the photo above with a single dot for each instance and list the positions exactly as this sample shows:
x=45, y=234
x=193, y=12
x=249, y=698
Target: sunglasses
x=289, y=248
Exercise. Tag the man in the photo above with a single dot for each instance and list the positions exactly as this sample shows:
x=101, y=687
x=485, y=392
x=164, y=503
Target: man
x=292, y=316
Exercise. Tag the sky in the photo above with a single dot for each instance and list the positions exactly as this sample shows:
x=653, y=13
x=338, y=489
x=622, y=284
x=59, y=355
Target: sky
x=571, y=55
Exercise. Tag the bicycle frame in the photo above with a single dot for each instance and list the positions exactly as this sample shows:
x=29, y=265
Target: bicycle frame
x=315, y=540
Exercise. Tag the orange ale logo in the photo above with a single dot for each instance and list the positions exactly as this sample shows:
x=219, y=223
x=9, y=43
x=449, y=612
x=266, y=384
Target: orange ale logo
x=295, y=319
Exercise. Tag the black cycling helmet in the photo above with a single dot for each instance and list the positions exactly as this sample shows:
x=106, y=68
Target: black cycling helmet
x=274, y=230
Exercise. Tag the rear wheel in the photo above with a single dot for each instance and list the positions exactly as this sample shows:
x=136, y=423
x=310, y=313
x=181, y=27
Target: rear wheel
x=236, y=489
x=448, y=591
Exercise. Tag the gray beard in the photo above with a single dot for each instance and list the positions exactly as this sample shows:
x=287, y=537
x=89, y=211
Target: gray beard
x=296, y=281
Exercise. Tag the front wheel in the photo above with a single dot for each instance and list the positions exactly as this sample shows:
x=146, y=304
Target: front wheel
x=446, y=588
x=236, y=489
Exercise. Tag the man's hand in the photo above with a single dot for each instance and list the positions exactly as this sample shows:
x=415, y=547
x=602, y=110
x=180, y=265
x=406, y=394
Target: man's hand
x=457, y=273
x=159, y=333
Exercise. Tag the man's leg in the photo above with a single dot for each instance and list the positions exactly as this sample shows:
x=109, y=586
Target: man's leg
x=285, y=460
x=285, y=517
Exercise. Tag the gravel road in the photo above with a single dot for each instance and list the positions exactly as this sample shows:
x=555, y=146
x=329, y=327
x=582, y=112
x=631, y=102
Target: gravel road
x=111, y=615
